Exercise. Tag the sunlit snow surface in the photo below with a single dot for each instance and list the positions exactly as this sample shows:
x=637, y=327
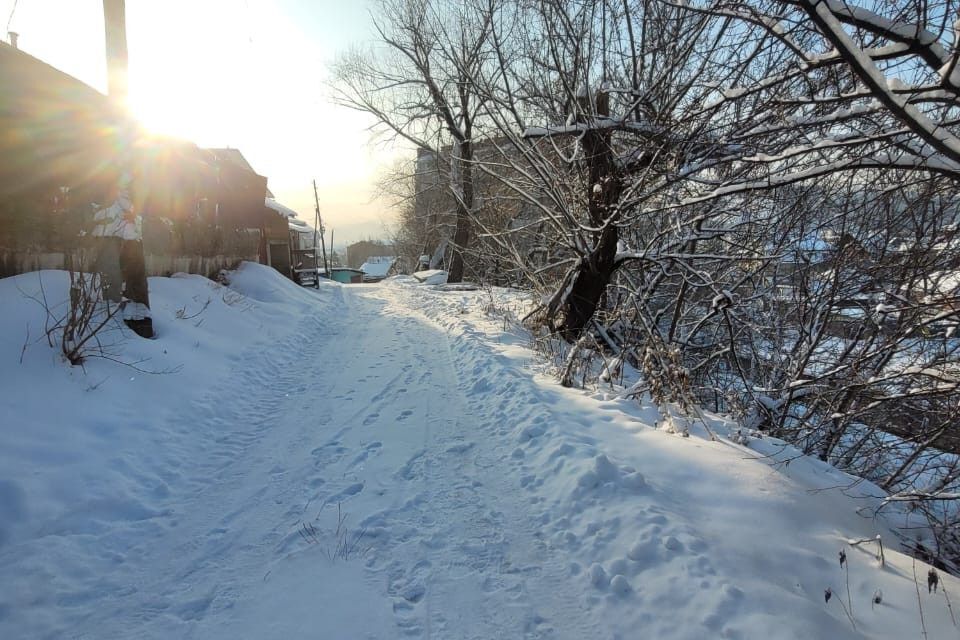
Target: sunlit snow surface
x=390, y=461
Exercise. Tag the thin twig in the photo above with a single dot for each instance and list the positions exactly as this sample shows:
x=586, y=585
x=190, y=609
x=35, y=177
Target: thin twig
x=943, y=588
x=916, y=584
x=23, y=350
x=846, y=611
x=849, y=599
x=181, y=313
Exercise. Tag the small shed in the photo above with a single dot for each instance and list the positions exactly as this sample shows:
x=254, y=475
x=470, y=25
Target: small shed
x=346, y=275
x=377, y=268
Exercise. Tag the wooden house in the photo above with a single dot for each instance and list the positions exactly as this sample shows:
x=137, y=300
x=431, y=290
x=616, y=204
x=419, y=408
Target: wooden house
x=360, y=252
x=63, y=145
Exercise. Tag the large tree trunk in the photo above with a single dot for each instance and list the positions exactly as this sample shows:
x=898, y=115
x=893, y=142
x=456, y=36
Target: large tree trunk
x=461, y=235
x=596, y=269
x=589, y=285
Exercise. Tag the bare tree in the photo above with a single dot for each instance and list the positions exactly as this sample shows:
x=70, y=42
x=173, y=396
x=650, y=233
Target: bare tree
x=781, y=195
x=751, y=203
x=418, y=85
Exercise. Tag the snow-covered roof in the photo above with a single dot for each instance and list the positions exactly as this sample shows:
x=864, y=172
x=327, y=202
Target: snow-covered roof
x=814, y=243
x=279, y=208
x=295, y=224
x=378, y=266
x=945, y=282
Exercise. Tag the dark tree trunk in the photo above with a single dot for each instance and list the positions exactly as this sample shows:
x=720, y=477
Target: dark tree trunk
x=596, y=269
x=589, y=285
x=135, y=290
x=461, y=235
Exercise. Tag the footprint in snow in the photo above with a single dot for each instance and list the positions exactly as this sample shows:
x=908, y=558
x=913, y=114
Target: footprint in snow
x=462, y=447
x=701, y=568
x=359, y=459
x=348, y=492
x=729, y=602
x=408, y=590
x=194, y=609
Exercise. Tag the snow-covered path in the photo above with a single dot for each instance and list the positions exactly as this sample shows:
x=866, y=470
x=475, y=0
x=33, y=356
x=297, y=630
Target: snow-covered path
x=382, y=462
x=361, y=411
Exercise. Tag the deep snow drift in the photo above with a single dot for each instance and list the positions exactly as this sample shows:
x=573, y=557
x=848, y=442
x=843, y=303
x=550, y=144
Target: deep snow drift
x=387, y=461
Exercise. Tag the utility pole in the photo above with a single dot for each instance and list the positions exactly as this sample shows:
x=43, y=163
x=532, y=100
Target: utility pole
x=119, y=225
x=323, y=243
x=316, y=258
x=115, y=30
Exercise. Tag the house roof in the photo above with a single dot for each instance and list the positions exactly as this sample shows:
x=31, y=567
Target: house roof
x=377, y=267
x=279, y=208
x=14, y=61
x=234, y=156
x=54, y=128
x=295, y=224
x=372, y=244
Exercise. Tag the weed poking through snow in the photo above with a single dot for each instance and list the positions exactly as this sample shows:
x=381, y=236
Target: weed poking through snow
x=341, y=544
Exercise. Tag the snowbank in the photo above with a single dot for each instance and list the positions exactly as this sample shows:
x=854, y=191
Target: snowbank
x=682, y=537
x=431, y=276
x=89, y=456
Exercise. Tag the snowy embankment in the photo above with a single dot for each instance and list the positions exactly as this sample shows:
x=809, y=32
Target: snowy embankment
x=386, y=461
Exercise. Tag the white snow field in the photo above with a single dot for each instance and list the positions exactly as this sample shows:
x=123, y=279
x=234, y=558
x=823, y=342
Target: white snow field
x=385, y=461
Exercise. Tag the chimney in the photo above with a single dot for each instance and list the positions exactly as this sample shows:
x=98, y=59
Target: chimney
x=13, y=38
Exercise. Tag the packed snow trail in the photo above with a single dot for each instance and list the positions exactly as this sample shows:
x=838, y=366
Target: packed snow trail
x=385, y=462
x=394, y=448
x=359, y=410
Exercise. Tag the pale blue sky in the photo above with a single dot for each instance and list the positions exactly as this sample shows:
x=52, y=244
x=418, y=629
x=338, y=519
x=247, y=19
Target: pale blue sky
x=242, y=73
